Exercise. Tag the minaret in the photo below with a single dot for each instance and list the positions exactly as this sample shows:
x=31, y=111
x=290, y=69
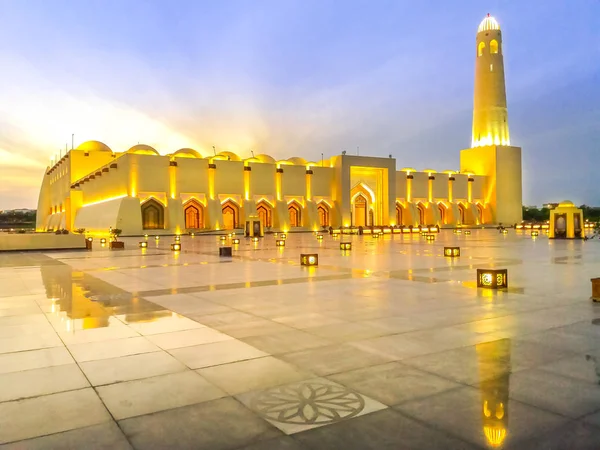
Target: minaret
x=490, y=116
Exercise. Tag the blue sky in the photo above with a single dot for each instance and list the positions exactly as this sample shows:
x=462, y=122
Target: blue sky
x=289, y=78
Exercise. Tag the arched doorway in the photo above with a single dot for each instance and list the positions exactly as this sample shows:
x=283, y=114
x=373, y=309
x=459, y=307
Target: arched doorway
x=360, y=211
x=323, y=211
x=294, y=210
x=398, y=214
x=153, y=215
x=422, y=214
x=265, y=213
x=462, y=213
x=231, y=213
x=442, y=211
x=194, y=215
x=480, y=213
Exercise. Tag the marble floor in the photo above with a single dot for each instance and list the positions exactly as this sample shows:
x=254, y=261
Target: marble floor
x=387, y=346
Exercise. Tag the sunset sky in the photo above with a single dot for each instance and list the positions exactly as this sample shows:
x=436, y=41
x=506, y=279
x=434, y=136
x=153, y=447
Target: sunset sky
x=297, y=77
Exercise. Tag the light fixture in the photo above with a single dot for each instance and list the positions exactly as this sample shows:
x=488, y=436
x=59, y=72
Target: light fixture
x=230, y=234
x=280, y=242
x=224, y=251
x=156, y=238
x=177, y=238
x=467, y=232
x=423, y=233
x=103, y=240
x=319, y=237
x=375, y=235
x=90, y=239
x=309, y=259
x=345, y=245
x=504, y=231
x=236, y=241
x=143, y=244
x=283, y=236
x=457, y=231
x=255, y=239
x=451, y=252
x=430, y=238
x=223, y=238
x=145, y=236
x=406, y=230
x=492, y=278
x=176, y=247
x=535, y=233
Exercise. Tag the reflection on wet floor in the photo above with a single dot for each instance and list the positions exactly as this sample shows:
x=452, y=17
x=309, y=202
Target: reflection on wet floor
x=494, y=357
x=87, y=302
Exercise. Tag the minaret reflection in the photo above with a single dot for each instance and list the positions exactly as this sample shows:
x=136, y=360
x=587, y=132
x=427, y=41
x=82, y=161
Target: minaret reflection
x=494, y=360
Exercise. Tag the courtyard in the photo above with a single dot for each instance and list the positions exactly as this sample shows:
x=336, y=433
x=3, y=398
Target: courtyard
x=389, y=345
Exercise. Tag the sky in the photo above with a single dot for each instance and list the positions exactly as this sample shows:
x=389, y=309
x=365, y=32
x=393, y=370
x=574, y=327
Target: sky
x=297, y=78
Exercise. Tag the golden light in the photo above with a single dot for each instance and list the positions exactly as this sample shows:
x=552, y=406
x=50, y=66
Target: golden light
x=375, y=235
x=535, y=233
x=457, y=231
x=416, y=230
x=504, y=231
x=492, y=278
x=156, y=238
x=406, y=230
x=309, y=259
x=103, y=240
x=494, y=435
x=236, y=241
x=452, y=252
x=280, y=243
x=145, y=236
x=255, y=239
x=90, y=239
x=283, y=236
x=177, y=238
x=467, y=232
x=430, y=238
x=223, y=238
x=143, y=244
x=519, y=227
x=345, y=245
x=319, y=237
x=176, y=247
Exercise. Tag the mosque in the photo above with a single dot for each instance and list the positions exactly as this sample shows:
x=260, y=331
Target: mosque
x=140, y=191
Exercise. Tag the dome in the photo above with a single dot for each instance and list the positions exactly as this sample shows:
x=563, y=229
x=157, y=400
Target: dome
x=297, y=160
x=265, y=159
x=94, y=146
x=187, y=153
x=566, y=204
x=227, y=155
x=488, y=24
x=142, y=149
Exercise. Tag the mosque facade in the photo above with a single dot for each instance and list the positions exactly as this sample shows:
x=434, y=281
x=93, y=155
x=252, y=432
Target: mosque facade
x=141, y=191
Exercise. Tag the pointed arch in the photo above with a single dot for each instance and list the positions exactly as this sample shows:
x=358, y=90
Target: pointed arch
x=153, y=214
x=194, y=214
x=359, y=214
x=323, y=210
x=295, y=211
x=231, y=214
x=494, y=46
x=422, y=213
x=399, y=215
x=265, y=213
x=480, y=213
x=442, y=211
x=462, y=213
x=480, y=48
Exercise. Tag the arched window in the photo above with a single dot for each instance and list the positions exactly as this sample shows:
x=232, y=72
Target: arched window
x=398, y=214
x=493, y=46
x=442, y=211
x=295, y=218
x=194, y=215
x=480, y=48
x=264, y=213
x=421, y=209
x=360, y=211
x=153, y=215
x=231, y=213
x=323, y=215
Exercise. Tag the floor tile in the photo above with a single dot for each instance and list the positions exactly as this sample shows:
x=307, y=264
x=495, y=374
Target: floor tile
x=111, y=348
x=188, y=338
x=573, y=435
x=346, y=332
x=173, y=322
x=286, y=342
x=135, y=398
x=308, y=404
x=461, y=413
x=34, y=359
x=280, y=443
x=224, y=352
x=394, y=383
x=127, y=368
x=105, y=436
x=216, y=425
x=49, y=414
x=259, y=373
x=29, y=342
x=301, y=321
x=382, y=430
x=35, y=382
x=333, y=359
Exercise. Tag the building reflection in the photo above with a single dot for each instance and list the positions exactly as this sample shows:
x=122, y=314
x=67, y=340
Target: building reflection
x=494, y=359
x=88, y=302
